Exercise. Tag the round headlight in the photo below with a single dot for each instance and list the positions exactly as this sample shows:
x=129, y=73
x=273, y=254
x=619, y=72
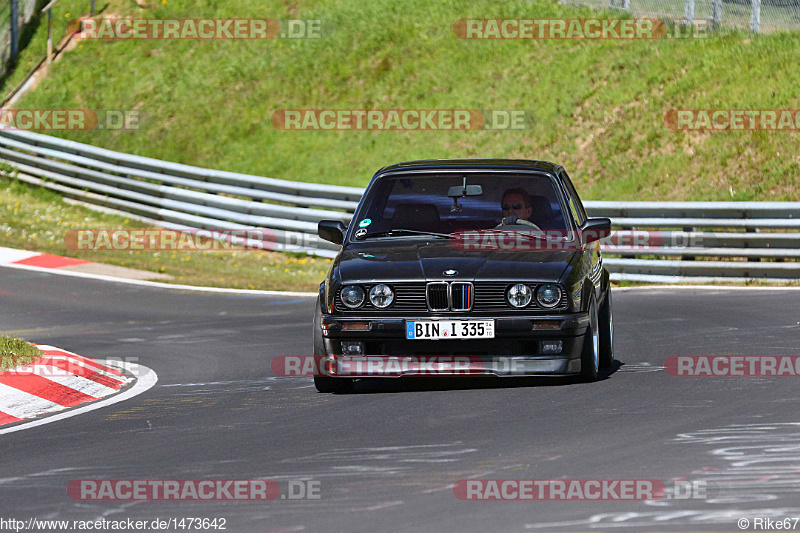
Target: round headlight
x=519, y=295
x=548, y=295
x=353, y=296
x=381, y=296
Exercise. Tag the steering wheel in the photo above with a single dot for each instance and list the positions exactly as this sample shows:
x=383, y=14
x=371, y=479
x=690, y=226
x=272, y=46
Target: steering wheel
x=511, y=220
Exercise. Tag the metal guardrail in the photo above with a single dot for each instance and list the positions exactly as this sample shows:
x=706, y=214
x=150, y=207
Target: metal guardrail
x=730, y=247
x=758, y=16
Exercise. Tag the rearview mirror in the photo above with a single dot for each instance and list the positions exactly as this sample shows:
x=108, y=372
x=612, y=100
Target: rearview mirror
x=331, y=230
x=595, y=229
x=458, y=191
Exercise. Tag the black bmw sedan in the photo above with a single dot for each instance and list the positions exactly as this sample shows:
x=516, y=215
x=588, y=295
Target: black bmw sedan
x=463, y=268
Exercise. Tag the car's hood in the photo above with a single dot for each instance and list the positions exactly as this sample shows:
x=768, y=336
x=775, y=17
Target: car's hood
x=426, y=261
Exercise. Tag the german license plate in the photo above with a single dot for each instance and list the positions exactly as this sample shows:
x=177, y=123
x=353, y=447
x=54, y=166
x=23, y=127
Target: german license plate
x=449, y=329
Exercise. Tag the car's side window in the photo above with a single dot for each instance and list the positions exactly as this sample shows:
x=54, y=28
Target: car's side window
x=575, y=205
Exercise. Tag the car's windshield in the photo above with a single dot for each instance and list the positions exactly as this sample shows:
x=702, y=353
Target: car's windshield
x=422, y=203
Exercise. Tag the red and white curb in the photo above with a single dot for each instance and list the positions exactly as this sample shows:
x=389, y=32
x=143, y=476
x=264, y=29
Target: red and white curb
x=13, y=257
x=61, y=381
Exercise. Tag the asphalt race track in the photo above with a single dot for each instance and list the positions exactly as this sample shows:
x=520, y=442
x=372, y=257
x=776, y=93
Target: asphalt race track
x=387, y=456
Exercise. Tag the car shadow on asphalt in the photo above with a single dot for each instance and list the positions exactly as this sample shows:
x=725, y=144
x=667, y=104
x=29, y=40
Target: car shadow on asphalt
x=437, y=383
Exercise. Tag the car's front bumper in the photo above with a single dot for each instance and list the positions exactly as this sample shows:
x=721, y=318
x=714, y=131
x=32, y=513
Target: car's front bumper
x=516, y=349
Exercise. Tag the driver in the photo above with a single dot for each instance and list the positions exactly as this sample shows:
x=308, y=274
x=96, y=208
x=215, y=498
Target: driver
x=516, y=207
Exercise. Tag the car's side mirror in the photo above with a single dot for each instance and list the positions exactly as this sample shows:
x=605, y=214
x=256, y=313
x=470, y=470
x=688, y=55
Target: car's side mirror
x=331, y=230
x=595, y=229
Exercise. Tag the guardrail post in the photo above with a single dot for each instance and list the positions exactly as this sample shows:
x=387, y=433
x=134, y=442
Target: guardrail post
x=92, y=10
x=716, y=14
x=49, y=36
x=626, y=4
x=689, y=229
x=755, y=16
x=688, y=12
x=49, y=9
x=14, y=24
x=752, y=259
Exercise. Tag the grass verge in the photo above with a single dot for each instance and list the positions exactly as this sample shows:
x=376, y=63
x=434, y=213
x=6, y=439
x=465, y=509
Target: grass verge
x=15, y=352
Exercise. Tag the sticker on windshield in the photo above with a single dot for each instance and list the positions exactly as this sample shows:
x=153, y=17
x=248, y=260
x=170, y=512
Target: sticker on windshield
x=364, y=223
x=360, y=233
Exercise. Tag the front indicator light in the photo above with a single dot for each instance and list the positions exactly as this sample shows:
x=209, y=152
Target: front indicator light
x=547, y=324
x=355, y=326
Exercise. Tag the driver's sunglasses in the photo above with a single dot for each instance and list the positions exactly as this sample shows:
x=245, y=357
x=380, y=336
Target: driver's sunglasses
x=509, y=207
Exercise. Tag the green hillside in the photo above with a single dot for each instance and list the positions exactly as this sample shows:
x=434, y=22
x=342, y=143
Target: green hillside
x=598, y=107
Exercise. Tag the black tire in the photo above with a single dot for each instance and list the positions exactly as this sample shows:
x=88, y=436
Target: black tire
x=590, y=356
x=325, y=383
x=606, y=319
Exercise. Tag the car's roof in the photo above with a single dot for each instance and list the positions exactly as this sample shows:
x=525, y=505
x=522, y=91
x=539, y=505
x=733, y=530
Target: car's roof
x=489, y=164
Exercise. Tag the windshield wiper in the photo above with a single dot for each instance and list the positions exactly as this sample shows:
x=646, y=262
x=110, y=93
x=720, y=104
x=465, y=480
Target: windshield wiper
x=401, y=231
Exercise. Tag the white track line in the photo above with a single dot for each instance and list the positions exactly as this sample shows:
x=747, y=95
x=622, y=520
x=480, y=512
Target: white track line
x=146, y=379
x=61, y=351
x=157, y=284
x=705, y=288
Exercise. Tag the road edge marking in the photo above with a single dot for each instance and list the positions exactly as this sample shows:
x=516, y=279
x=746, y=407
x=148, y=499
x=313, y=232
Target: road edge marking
x=157, y=284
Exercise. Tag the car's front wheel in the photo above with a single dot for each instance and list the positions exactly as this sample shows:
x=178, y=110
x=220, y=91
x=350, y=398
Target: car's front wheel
x=590, y=357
